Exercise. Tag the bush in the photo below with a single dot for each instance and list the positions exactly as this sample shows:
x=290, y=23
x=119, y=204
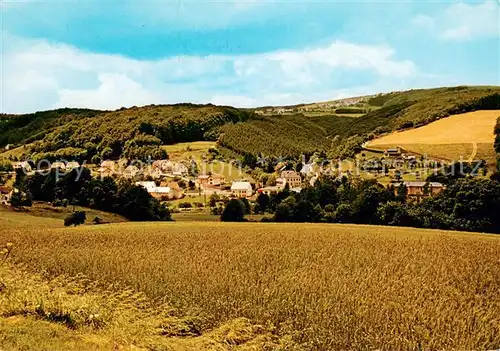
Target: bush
x=20, y=199
x=234, y=211
x=76, y=218
x=97, y=220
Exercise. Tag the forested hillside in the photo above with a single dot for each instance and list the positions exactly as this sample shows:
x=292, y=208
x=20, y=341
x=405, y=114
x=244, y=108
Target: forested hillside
x=139, y=132
x=133, y=133
x=343, y=136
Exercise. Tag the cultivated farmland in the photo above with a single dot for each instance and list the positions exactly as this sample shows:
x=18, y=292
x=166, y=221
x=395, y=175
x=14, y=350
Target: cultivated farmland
x=320, y=287
x=447, y=138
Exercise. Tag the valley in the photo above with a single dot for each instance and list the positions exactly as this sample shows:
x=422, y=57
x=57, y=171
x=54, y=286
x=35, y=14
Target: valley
x=352, y=224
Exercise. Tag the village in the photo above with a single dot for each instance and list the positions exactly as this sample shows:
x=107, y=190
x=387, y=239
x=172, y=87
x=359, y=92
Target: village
x=185, y=188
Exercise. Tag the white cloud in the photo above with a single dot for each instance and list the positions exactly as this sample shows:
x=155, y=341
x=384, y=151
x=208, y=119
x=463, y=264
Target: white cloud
x=462, y=21
x=113, y=91
x=65, y=76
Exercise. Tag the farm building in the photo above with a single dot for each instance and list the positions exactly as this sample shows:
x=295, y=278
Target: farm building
x=241, y=189
x=176, y=190
x=396, y=151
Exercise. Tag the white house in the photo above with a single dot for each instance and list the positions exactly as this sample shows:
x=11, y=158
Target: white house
x=241, y=189
x=160, y=191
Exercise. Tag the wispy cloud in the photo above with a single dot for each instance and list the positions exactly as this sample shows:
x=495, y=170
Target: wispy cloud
x=38, y=74
x=463, y=21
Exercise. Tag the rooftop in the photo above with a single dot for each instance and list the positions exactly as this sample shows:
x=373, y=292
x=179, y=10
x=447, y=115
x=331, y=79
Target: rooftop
x=241, y=186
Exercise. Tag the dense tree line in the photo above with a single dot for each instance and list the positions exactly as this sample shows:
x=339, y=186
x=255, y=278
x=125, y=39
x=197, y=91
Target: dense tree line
x=24, y=129
x=344, y=110
x=468, y=204
x=121, y=197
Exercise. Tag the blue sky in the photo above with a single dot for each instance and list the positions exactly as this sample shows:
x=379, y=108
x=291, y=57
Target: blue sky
x=110, y=54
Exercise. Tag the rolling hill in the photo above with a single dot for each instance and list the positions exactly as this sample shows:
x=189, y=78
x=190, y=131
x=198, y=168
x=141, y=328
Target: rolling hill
x=468, y=136
x=141, y=132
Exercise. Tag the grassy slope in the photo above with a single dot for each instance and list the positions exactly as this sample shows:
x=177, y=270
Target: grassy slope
x=40, y=209
x=449, y=138
x=76, y=314
x=328, y=286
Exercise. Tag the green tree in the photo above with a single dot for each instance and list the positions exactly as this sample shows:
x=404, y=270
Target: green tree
x=233, y=212
x=214, y=198
x=402, y=192
x=75, y=218
x=394, y=213
x=263, y=201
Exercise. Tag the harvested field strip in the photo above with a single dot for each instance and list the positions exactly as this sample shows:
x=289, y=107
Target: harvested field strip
x=457, y=129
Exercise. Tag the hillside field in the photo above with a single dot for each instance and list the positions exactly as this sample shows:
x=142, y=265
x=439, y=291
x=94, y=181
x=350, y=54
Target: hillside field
x=467, y=135
x=314, y=286
x=41, y=209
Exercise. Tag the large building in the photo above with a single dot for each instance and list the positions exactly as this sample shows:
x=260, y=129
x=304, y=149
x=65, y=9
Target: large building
x=292, y=178
x=241, y=189
x=211, y=180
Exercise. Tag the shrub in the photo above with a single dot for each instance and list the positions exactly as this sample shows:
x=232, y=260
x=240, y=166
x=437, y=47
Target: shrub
x=234, y=211
x=76, y=218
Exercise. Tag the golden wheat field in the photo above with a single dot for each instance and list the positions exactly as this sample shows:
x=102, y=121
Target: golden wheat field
x=308, y=286
x=446, y=138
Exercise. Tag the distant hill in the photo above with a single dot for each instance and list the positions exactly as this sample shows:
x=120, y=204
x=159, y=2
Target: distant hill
x=292, y=134
x=133, y=133
x=139, y=132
